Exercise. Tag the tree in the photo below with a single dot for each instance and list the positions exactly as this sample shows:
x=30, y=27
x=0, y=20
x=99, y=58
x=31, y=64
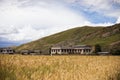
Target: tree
x=97, y=48
x=115, y=51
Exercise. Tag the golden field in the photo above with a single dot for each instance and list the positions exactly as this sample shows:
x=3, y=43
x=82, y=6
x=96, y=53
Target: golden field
x=28, y=67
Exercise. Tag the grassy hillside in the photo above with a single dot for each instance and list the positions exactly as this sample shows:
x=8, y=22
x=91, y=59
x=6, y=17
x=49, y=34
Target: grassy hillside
x=20, y=67
x=77, y=36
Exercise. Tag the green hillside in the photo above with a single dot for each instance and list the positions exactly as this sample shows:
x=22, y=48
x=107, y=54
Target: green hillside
x=105, y=36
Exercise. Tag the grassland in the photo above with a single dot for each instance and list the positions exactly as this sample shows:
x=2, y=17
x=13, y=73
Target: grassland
x=27, y=67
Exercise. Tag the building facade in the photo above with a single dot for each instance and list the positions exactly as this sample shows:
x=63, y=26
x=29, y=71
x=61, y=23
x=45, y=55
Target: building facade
x=81, y=49
x=32, y=52
x=7, y=50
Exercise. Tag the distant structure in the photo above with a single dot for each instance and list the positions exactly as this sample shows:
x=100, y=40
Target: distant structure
x=79, y=49
x=103, y=53
x=32, y=52
x=25, y=52
x=7, y=50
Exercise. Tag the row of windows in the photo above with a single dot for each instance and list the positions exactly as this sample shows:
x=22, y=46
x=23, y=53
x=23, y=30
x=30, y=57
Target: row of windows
x=6, y=51
x=70, y=50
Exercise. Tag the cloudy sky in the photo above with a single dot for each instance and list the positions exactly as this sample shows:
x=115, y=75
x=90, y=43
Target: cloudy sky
x=23, y=21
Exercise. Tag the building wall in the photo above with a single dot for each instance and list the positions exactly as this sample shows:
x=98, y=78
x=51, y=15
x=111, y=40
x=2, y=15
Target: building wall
x=71, y=51
x=6, y=51
x=56, y=51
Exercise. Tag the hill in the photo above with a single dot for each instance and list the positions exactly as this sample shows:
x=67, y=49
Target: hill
x=104, y=36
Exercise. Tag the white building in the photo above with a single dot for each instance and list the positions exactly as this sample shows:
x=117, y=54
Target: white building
x=7, y=50
x=80, y=49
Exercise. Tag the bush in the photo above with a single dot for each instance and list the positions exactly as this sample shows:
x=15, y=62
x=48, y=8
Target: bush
x=115, y=52
x=97, y=48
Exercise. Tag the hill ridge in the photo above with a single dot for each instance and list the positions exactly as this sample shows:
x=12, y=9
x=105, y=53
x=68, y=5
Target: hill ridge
x=77, y=36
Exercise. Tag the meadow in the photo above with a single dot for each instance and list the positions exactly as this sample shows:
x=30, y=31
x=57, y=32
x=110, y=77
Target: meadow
x=64, y=67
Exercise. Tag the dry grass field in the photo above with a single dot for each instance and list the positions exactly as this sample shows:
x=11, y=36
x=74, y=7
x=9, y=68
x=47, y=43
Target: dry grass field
x=27, y=67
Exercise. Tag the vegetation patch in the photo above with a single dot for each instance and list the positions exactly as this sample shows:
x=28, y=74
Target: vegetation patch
x=26, y=67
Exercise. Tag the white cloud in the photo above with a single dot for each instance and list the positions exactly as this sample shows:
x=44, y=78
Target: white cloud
x=106, y=7
x=26, y=33
x=33, y=19
x=33, y=22
x=8, y=30
x=116, y=1
x=100, y=24
x=118, y=20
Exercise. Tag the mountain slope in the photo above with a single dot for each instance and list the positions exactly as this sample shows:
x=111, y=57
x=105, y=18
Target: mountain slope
x=104, y=36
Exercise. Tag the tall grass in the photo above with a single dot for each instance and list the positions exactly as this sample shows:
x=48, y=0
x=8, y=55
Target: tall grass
x=21, y=67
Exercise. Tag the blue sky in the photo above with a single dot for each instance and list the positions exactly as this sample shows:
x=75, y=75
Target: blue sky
x=23, y=21
x=93, y=16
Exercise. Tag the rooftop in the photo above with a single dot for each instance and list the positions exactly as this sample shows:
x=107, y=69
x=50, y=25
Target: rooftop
x=71, y=47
